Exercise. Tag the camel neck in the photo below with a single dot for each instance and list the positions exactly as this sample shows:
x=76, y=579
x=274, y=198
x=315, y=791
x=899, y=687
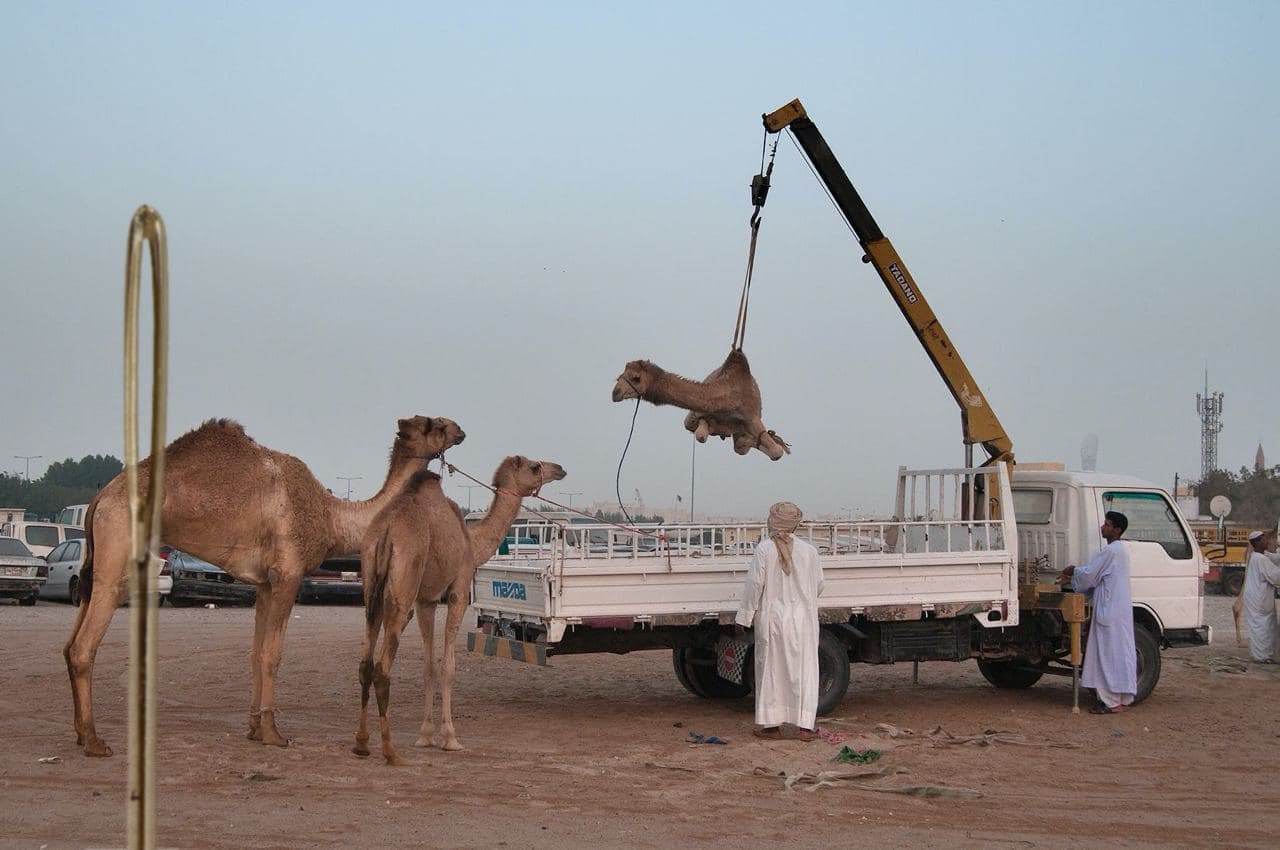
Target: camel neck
x=670, y=388
x=488, y=533
x=352, y=519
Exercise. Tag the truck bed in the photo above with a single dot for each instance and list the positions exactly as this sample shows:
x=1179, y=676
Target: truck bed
x=601, y=575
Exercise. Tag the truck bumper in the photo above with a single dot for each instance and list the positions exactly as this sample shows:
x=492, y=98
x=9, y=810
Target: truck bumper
x=1201, y=636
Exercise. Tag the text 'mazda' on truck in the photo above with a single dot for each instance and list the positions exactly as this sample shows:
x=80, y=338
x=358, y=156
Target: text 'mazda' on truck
x=962, y=571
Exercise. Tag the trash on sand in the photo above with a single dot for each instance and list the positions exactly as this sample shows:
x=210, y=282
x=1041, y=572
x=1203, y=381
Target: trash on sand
x=210, y=605
x=258, y=776
x=848, y=755
x=696, y=738
x=849, y=779
x=831, y=737
x=939, y=737
x=49, y=760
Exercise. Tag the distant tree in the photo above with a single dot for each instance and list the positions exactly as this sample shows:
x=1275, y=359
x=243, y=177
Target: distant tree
x=64, y=483
x=91, y=471
x=1254, y=495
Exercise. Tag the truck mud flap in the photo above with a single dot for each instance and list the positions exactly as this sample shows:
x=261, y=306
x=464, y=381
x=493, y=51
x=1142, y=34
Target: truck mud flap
x=500, y=647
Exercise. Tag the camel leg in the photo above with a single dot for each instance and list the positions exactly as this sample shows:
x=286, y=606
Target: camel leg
x=282, y=595
x=373, y=624
x=396, y=620
x=453, y=620
x=261, y=605
x=92, y=620
x=427, y=627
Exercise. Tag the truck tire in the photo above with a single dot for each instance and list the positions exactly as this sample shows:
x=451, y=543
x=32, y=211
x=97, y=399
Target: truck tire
x=28, y=600
x=1232, y=582
x=696, y=670
x=73, y=591
x=833, y=672
x=1148, y=647
x=1014, y=674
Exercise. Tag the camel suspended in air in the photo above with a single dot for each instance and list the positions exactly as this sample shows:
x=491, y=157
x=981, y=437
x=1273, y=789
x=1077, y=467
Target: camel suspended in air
x=726, y=404
x=419, y=552
x=259, y=514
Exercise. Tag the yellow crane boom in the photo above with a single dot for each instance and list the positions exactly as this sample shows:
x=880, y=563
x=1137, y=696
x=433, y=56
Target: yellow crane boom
x=977, y=419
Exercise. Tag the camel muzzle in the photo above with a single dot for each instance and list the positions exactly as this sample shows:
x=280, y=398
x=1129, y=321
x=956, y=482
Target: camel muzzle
x=622, y=392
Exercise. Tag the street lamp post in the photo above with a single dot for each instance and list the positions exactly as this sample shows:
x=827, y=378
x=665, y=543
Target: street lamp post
x=469, y=488
x=570, y=494
x=28, y=459
x=349, y=479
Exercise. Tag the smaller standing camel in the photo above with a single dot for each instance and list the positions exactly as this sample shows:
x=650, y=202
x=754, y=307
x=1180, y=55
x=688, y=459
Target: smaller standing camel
x=418, y=551
x=725, y=404
x=259, y=514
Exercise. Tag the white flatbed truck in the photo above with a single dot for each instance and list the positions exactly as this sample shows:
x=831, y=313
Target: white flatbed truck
x=928, y=585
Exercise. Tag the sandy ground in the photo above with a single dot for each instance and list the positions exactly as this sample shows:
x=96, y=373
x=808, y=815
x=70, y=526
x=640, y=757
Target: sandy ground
x=593, y=751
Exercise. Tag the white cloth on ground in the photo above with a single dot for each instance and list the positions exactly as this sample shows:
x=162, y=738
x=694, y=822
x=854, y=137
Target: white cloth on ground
x=1261, y=577
x=1110, y=658
x=784, y=611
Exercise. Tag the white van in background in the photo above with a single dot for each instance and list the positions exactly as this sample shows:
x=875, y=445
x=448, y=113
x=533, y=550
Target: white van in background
x=40, y=537
x=72, y=515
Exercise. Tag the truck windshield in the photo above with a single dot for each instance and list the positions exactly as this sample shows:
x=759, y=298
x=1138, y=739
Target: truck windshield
x=1152, y=519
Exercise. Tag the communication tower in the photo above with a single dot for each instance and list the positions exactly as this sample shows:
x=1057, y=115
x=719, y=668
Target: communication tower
x=1209, y=406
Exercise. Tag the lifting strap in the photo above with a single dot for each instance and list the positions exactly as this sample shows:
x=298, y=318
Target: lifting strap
x=759, y=192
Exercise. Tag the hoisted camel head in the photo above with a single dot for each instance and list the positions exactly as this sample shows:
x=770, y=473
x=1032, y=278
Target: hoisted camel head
x=635, y=380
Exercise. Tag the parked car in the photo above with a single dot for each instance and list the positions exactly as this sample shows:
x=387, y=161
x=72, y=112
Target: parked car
x=21, y=573
x=40, y=537
x=65, y=562
x=335, y=580
x=196, y=582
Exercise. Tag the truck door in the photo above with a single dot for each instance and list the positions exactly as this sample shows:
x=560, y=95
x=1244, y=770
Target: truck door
x=1163, y=562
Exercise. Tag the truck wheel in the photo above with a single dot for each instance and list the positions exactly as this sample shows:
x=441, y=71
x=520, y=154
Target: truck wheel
x=696, y=670
x=1148, y=646
x=833, y=672
x=1232, y=582
x=28, y=600
x=1014, y=674
x=73, y=590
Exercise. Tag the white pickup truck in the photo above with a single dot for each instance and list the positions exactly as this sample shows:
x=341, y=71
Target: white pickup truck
x=927, y=585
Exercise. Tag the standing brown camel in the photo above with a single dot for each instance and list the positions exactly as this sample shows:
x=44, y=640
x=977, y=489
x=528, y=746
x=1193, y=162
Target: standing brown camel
x=419, y=551
x=259, y=514
x=725, y=404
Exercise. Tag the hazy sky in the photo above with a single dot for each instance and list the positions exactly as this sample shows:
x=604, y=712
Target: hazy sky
x=483, y=210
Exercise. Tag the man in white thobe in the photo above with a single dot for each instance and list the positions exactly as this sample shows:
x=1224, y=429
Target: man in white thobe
x=1258, y=599
x=1110, y=658
x=781, y=601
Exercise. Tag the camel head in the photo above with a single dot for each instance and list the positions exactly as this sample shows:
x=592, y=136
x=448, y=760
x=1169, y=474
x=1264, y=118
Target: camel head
x=635, y=380
x=517, y=474
x=427, y=436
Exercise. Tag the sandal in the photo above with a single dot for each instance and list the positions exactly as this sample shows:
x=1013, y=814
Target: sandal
x=772, y=733
x=1103, y=708
x=805, y=735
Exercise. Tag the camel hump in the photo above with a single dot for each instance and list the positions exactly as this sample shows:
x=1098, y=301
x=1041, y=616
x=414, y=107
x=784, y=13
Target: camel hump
x=420, y=479
x=223, y=424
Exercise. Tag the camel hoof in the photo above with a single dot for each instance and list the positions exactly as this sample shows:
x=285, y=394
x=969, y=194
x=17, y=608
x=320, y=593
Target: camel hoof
x=275, y=740
x=424, y=741
x=97, y=748
x=452, y=746
x=360, y=751
x=395, y=761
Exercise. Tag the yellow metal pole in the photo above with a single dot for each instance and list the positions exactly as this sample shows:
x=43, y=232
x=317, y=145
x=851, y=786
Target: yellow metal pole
x=144, y=518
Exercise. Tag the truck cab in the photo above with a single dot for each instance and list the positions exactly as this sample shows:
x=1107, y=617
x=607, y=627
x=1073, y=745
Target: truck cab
x=1059, y=516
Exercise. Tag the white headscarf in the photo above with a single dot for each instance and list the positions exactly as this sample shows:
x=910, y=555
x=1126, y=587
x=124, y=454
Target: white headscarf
x=784, y=518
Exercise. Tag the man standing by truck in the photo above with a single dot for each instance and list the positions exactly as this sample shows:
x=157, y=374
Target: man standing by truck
x=1110, y=659
x=1258, y=599
x=781, y=601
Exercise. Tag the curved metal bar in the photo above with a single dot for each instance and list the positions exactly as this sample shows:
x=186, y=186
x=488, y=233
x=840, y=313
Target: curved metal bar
x=144, y=517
